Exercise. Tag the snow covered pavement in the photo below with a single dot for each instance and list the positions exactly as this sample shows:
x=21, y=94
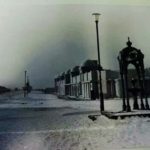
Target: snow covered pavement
x=104, y=134
x=64, y=125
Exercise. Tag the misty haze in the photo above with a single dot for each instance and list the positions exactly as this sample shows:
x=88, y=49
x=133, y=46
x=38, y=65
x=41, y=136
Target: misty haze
x=45, y=40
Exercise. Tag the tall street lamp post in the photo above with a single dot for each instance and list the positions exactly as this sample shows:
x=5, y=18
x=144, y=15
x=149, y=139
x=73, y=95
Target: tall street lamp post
x=25, y=74
x=99, y=63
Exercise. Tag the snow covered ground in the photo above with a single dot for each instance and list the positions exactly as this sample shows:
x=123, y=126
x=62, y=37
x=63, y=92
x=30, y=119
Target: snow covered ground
x=73, y=130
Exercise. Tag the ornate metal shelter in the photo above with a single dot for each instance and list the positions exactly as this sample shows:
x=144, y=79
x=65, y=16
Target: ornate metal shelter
x=127, y=56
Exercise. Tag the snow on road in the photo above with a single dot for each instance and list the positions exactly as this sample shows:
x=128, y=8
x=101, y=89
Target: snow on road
x=37, y=99
x=83, y=134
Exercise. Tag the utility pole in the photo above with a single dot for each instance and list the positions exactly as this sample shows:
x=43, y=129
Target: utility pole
x=25, y=74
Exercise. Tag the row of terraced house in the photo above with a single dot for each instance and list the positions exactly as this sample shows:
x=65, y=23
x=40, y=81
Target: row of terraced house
x=82, y=82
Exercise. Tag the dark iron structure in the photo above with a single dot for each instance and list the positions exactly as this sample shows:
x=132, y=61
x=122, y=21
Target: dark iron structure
x=127, y=56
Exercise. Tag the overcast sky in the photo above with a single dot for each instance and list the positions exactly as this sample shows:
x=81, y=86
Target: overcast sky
x=48, y=39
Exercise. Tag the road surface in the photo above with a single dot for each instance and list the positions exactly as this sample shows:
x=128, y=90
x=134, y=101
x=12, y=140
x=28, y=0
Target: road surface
x=40, y=112
x=44, y=122
x=37, y=113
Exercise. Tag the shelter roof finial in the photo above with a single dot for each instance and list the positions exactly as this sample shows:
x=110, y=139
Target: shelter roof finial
x=129, y=43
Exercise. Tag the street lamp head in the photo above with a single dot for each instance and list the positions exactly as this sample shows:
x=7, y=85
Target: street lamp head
x=96, y=16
